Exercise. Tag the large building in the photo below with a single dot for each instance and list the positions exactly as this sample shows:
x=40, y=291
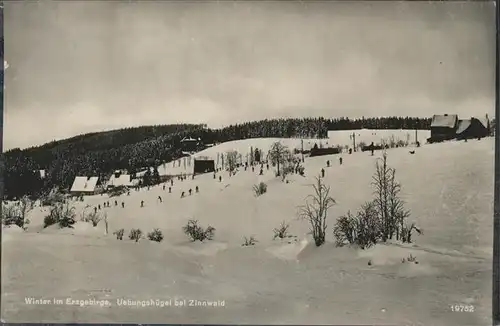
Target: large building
x=443, y=127
x=203, y=164
x=190, y=145
x=473, y=128
x=119, y=179
x=84, y=185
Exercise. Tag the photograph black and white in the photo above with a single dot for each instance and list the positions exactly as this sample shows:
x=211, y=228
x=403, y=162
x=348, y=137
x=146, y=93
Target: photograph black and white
x=248, y=162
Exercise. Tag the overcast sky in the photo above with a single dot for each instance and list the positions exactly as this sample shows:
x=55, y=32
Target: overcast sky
x=79, y=67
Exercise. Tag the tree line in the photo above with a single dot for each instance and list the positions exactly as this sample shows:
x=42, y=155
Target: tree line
x=135, y=149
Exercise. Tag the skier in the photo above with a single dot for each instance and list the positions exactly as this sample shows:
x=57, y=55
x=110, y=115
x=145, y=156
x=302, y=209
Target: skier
x=340, y=160
x=197, y=189
x=142, y=203
x=159, y=198
x=322, y=173
x=123, y=205
x=190, y=192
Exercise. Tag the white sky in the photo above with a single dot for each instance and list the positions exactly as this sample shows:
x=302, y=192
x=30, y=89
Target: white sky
x=86, y=66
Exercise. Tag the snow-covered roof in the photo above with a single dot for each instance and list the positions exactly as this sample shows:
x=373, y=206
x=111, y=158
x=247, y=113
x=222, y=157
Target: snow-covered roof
x=188, y=139
x=463, y=125
x=122, y=180
x=84, y=184
x=444, y=120
x=484, y=120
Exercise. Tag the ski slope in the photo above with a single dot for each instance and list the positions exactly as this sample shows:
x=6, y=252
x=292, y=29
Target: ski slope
x=448, y=187
x=335, y=138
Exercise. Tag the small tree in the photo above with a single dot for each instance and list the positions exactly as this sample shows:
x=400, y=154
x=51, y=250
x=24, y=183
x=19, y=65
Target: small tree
x=147, y=178
x=257, y=155
x=278, y=154
x=315, y=210
x=288, y=166
x=156, y=176
x=231, y=160
x=252, y=156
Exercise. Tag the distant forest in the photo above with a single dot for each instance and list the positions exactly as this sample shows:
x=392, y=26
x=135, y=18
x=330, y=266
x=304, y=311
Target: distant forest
x=136, y=148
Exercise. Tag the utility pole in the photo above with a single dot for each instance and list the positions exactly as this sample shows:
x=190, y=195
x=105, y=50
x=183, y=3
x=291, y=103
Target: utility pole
x=416, y=135
x=354, y=141
x=302, y=149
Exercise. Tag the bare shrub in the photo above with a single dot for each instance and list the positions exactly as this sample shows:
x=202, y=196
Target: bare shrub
x=410, y=259
x=119, y=234
x=92, y=217
x=52, y=198
x=11, y=215
x=62, y=214
x=382, y=219
x=315, y=211
x=281, y=231
x=401, y=143
x=49, y=220
x=16, y=213
x=362, y=229
x=155, y=235
x=135, y=234
x=260, y=189
x=196, y=232
x=392, y=141
x=117, y=191
x=249, y=241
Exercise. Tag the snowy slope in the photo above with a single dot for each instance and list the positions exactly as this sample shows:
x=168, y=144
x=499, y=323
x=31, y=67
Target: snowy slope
x=448, y=187
x=335, y=138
